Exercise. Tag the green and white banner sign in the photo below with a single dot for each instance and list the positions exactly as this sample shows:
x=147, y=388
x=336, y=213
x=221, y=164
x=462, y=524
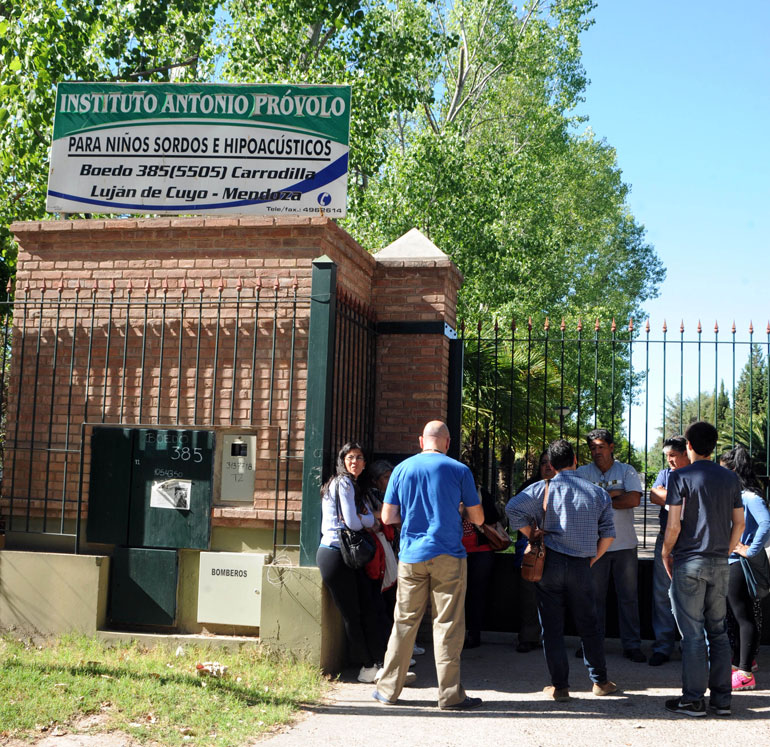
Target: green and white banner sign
x=200, y=148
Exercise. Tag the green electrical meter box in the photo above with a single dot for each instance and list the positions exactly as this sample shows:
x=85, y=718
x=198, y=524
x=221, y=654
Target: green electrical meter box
x=171, y=489
x=109, y=485
x=143, y=586
x=151, y=487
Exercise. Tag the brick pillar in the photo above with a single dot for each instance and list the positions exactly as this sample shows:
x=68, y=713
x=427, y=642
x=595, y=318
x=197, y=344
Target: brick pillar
x=414, y=291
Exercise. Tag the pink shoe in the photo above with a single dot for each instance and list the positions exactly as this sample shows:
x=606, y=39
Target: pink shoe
x=743, y=680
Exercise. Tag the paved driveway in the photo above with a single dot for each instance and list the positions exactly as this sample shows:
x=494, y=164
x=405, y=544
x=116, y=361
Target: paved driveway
x=515, y=711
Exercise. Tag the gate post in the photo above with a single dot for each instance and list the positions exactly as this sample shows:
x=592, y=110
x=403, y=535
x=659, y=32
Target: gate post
x=454, y=415
x=320, y=368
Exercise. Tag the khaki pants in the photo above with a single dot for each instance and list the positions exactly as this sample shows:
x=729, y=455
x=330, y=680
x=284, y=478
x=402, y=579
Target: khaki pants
x=443, y=578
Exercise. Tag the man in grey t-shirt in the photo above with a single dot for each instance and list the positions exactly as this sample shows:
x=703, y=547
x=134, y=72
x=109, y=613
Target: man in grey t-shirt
x=625, y=488
x=705, y=522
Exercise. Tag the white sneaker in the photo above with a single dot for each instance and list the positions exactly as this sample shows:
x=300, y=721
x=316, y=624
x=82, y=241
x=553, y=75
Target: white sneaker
x=411, y=677
x=418, y=650
x=368, y=674
x=412, y=662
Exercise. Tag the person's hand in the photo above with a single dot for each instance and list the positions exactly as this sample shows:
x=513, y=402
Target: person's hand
x=742, y=549
x=668, y=564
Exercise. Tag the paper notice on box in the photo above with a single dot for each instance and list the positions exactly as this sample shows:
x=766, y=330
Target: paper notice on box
x=171, y=494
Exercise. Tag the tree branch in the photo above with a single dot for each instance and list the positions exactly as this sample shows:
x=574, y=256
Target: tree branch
x=431, y=119
x=161, y=69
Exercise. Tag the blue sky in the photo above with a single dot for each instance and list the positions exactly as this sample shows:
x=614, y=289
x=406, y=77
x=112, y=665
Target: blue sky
x=681, y=90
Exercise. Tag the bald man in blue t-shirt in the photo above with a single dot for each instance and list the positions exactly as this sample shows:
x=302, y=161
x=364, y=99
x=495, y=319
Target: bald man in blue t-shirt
x=424, y=495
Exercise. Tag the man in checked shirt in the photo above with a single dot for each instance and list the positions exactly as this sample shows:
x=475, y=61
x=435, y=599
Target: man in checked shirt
x=577, y=518
x=622, y=482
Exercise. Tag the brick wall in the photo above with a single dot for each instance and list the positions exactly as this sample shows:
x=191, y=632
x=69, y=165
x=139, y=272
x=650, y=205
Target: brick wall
x=412, y=369
x=141, y=362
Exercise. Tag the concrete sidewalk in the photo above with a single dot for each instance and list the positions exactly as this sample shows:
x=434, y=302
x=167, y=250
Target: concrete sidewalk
x=515, y=711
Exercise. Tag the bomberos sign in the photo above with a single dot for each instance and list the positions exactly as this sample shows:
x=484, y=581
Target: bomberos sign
x=200, y=148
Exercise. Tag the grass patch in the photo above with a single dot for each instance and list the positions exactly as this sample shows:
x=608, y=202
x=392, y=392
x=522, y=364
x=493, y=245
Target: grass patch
x=151, y=694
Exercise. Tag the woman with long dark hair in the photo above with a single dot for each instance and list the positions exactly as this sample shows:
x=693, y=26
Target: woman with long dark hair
x=343, y=502
x=745, y=634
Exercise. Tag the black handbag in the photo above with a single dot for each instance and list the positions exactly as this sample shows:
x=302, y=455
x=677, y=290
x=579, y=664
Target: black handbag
x=356, y=546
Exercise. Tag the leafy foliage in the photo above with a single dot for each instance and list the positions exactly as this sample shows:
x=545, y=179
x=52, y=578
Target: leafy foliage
x=494, y=172
x=381, y=49
x=43, y=42
x=462, y=125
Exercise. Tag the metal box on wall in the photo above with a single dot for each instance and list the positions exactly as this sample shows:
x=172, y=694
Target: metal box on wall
x=238, y=467
x=143, y=586
x=109, y=485
x=171, y=489
x=230, y=588
x=151, y=487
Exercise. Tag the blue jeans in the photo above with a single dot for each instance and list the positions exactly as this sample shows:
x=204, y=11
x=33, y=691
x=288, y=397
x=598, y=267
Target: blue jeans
x=663, y=623
x=623, y=565
x=699, y=602
x=567, y=585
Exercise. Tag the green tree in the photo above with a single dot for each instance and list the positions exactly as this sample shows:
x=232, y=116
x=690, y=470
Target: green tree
x=751, y=389
x=682, y=413
x=43, y=42
x=533, y=213
x=382, y=49
x=463, y=125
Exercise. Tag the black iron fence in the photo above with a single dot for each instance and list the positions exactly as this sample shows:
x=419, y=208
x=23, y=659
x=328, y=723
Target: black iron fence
x=202, y=357
x=353, y=388
x=525, y=386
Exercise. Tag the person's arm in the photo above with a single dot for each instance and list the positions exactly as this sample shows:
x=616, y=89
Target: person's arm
x=629, y=499
x=673, y=529
x=758, y=510
x=605, y=528
x=630, y=496
x=658, y=496
x=391, y=514
x=475, y=514
x=522, y=509
x=658, y=491
x=469, y=498
x=350, y=515
x=601, y=547
x=739, y=523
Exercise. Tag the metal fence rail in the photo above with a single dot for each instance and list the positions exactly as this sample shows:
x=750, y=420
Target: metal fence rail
x=355, y=350
x=525, y=387
x=203, y=357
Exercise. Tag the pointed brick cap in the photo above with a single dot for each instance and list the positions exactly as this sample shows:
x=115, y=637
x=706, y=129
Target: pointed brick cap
x=413, y=245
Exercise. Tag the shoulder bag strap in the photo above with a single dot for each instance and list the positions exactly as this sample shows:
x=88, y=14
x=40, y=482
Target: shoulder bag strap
x=545, y=502
x=334, y=485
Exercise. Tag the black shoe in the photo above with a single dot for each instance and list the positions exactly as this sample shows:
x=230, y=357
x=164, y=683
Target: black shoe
x=677, y=705
x=723, y=712
x=635, y=655
x=464, y=705
x=657, y=659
